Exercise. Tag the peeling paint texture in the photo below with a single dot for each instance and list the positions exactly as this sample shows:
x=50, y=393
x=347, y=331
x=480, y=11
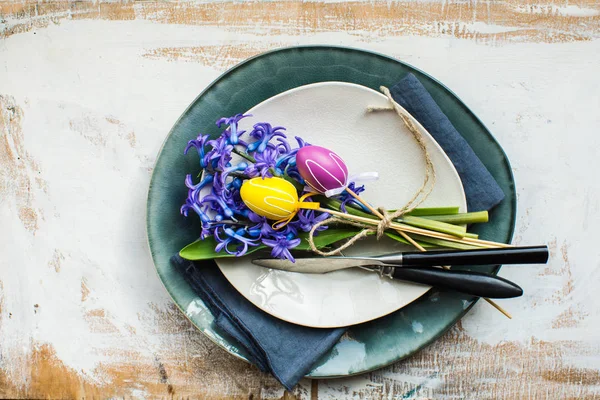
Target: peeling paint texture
x=88, y=91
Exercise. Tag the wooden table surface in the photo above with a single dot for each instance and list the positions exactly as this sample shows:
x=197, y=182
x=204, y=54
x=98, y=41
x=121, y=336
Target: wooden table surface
x=88, y=91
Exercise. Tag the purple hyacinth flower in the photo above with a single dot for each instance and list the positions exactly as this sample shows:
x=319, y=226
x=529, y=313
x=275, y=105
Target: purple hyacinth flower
x=263, y=132
x=232, y=168
x=254, y=231
x=205, y=231
x=232, y=133
x=220, y=154
x=218, y=204
x=193, y=201
x=218, y=188
x=265, y=161
x=199, y=145
x=290, y=229
x=292, y=172
x=308, y=218
x=301, y=142
x=282, y=146
x=208, y=179
x=224, y=161
x=235, y=238
x=287, y=159
x=190, y=204
x=261, y=223
x=346, y=198
x=281, y=246
x=251, y=171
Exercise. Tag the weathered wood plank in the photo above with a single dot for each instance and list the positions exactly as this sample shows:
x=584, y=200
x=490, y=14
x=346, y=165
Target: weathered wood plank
x=542, y=21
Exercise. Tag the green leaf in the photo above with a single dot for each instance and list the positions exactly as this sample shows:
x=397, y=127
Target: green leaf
x=205, y=250
x=326, y=237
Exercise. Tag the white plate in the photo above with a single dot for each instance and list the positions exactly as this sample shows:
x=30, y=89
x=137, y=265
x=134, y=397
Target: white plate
x=333, y=115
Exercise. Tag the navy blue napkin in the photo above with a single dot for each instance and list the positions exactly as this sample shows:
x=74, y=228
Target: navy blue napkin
x=481, y=190
x=286, y=350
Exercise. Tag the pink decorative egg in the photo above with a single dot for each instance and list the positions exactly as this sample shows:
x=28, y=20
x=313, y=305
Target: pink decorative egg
x=321, y=168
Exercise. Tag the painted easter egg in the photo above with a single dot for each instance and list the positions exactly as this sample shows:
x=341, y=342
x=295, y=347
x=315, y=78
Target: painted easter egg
x=274, y=198
x=321, y=168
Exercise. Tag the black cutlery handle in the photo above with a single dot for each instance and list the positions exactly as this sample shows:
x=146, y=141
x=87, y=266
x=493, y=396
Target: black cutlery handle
x=473, y=283
x=508, y=255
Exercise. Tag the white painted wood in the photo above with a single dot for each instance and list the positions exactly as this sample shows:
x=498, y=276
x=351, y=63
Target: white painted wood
x=86, y=105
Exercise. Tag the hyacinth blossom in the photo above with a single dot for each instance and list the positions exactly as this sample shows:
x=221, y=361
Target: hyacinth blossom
x=227, y=161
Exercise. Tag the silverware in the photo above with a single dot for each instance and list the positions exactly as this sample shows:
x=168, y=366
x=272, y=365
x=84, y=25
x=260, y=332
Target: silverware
x=416, y=267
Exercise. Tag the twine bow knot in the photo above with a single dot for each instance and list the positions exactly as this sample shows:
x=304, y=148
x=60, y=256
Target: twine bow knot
x=385, y=222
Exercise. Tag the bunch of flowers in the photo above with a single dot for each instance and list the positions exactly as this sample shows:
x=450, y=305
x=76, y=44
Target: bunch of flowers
x=232, y=158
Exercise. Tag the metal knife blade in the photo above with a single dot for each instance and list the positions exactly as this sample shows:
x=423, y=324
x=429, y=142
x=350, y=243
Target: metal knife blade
x=318, y=265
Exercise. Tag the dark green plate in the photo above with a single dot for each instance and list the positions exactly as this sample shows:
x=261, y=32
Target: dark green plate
x=371, y=345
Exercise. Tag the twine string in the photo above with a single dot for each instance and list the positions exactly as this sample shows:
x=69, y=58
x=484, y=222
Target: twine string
x=387, y=217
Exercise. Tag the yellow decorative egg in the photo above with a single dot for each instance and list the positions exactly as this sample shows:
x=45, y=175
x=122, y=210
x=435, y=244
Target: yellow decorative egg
x=273, y=198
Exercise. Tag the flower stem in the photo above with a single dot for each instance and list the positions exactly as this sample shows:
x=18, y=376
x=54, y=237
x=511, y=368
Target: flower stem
x=434, y=225
x=462, y=218
x=471, y=235
x=239, y=175
x=442, y=214
x=419, y=222
x=444, y=243
x=410, y=229
x=417, y=212
x=272, y=170
x=243, y=155
x=393, y=235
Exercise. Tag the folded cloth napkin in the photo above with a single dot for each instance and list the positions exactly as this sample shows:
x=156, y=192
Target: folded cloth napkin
x=481, y=190
x=286, y=350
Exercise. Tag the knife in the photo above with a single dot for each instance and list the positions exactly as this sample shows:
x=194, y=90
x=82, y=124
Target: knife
x=321, y=265
x=415, y=267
